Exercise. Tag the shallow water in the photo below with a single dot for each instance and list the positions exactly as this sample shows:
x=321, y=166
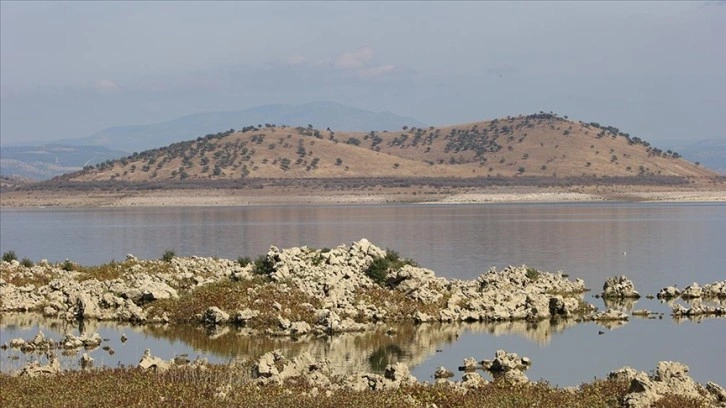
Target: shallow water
x=654, y=244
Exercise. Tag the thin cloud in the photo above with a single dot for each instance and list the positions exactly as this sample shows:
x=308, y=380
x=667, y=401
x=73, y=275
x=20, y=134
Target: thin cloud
x=106, y=86
x=354, y=60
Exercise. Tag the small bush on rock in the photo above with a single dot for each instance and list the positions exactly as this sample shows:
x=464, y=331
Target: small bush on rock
x=10, y=256
x=380, y=267
x=68, y=265
x=168, y=255
x=263, y=266
x=532, y=273
x=244, y=261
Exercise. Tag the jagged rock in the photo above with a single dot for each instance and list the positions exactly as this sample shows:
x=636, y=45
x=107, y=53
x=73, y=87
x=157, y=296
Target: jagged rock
x=470, y=365
x=215, y=315
x=399, y=372
x=442, y=372
x=420, y=317
x=508, y=367
x=692, y=291
x=73, y=342
x=283, y=323
x=17, y=343
x=35, y=369
x=697, y=310
x=335, y=277
x=669, y=378
x=473, y=380
x=149, y=362
x=609, y=315
x=619, y=287
x=716, y=391
x=716, y=289
x=669, y=292
x=86, y=361
x=243, y=316
x=300, y=328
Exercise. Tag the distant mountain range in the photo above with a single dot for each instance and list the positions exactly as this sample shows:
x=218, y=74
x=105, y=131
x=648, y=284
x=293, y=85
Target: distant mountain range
x=321, y=115
x=69, y=155
x=47, y=161
x=710, y=153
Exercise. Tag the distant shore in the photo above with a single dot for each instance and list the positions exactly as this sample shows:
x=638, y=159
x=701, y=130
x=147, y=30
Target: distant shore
x=292, y=195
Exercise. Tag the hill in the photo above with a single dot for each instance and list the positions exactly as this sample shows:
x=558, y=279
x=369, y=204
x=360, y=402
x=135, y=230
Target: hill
x=540, y=145
x=47, y=161
x=322, y=114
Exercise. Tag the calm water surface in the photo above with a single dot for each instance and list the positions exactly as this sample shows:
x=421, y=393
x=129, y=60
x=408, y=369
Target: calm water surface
x=654, y=244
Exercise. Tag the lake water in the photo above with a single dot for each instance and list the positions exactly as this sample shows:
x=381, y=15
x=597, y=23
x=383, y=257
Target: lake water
x=656, y=245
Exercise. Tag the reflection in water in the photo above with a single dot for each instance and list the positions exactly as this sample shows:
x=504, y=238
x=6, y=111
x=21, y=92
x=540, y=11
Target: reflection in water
x=621, y=304
x=366, y=351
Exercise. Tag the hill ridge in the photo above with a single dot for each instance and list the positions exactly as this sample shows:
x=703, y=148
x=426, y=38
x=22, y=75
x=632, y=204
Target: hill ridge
x=539, y=145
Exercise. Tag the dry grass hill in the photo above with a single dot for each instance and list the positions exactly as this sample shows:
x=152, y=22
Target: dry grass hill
x=542, y=145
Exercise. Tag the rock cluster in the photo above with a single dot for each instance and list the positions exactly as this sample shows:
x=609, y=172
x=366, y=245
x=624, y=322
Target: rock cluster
x=695, y=291
x=697, y=310
x=35, y=369
x=619, y=287
x=159, y=365
x=40, y=343
x=350, y=298
x=669, y=378
x=274, y=368
x=508, y=367
x=71, y=295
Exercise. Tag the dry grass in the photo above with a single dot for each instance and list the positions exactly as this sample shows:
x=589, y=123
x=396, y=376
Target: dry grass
x=231, y=296
x=197, y=388
x=23, y=276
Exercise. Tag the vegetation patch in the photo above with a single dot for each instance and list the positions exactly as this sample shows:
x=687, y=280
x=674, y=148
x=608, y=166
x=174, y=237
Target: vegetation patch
x=231, y=296
x=379, y=269
x=199, y=388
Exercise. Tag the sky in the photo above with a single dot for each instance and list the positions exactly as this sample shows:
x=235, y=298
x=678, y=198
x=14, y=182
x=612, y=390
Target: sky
x=656, y=70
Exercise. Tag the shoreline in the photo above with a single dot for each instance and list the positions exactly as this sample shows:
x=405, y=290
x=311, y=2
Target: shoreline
x=368, y=196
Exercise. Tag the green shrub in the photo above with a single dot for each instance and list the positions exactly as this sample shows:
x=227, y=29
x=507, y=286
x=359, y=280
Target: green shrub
x=68, y=265
x=380, y=267
x=263, y=266
x=532, y=273
x=168, y=255
x=26, y=262
x=10, y=256
x=244, y=261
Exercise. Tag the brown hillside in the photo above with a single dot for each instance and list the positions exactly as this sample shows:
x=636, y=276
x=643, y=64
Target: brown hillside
x=534, y=145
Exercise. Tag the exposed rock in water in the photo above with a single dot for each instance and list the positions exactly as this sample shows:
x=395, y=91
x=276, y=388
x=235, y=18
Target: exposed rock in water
x=697, y=310
x=695, y=291
x=619, y=287
x=669, y=292
x=508, y=367
x=442, y=372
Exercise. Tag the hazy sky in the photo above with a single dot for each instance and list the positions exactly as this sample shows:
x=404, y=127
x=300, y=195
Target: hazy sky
x=654, y=69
